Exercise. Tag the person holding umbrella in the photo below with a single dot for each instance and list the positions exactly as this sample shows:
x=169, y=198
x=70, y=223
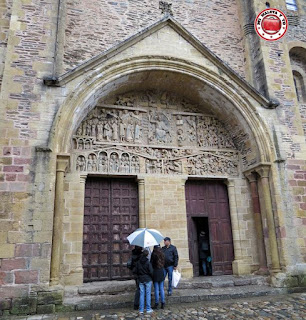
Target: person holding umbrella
x=171, y=261
x=144, y=237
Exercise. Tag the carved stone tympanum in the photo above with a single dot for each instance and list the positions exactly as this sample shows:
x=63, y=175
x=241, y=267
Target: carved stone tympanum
x=153, y=133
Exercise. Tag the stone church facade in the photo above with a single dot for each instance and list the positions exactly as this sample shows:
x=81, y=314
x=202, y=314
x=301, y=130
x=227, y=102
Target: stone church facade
x=116, y=116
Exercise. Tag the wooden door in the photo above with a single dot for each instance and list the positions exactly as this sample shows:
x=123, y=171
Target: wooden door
x=110, y=215
x=209, y=199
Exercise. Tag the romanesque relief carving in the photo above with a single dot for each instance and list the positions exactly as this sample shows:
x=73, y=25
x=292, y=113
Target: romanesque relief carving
x=211, y=133
x=159, y=166
x=154, y=133
x=110, y=125
x=159, y=127
x=109, y=161
x=212, y=164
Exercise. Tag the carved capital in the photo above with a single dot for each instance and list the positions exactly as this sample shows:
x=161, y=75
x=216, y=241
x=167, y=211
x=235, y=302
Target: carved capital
x=251, y=176
x=83, y=178
x=263, y=171
x=62, y=162
x=140, y=181
x=230, y=183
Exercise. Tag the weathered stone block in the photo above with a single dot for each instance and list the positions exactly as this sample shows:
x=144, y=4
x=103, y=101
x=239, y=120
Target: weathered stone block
x=26, y=305
x=64, y=308
x=5, y=304
x=26, y=276
x=46, y=308
x=53, y=297
x=302, y=280
x=7, y=250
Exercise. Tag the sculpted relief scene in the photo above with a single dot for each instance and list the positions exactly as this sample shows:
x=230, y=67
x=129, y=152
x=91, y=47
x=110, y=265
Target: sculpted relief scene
x=153, y=133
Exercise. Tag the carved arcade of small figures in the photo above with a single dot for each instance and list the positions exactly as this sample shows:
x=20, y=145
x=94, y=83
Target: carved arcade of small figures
x=108, y=162
x=169, y=134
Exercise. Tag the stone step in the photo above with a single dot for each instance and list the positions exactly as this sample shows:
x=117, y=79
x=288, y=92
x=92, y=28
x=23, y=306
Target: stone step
x=125, y=299
x=122, y=287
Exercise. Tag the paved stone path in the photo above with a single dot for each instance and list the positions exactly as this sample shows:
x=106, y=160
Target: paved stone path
x=272, y=307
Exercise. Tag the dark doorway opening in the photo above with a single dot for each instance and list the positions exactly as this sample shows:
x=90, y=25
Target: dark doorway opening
x=203, y=244
x=208, y=200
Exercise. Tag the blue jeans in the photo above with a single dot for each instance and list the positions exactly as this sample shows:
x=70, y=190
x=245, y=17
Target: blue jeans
x=159, y=289
x=145, y=290
x=169, y=271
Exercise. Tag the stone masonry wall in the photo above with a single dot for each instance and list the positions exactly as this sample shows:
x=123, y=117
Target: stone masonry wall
x=26, y=182
x=96, y=25
x=5, y=16
x=297, y=181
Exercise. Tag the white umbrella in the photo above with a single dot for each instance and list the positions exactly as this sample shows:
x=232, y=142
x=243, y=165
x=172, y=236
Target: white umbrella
x=144, y=237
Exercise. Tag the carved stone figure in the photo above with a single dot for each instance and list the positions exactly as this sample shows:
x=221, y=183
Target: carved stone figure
x=89, y=163
x=115, y=130
x=173, y=167
x=102, y=162
x=137, y=133
x=114, y=163
x=135, y=165
x=160, y=126
x=100, y=131
x=121, y=130
x=80, y=163
x=79, y=131
x=125, y=163
x=107, y=131
x=129, y=132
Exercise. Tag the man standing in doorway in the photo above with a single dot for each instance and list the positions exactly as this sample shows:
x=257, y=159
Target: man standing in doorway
x=171, y=261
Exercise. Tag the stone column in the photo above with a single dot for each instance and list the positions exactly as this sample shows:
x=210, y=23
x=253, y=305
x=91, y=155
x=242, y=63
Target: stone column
x=185, y=265
x=239, y=266
x=266, y=204
x=258, y=224
x=57, y=237
x=76, y=274
x=141, y=196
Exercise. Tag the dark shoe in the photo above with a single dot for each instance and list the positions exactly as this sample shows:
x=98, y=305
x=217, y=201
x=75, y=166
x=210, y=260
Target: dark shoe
x=155, y=306
x=169, y=294
x=162, y=306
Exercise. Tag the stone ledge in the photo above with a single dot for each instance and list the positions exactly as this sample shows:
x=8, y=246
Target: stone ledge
x=179, y=296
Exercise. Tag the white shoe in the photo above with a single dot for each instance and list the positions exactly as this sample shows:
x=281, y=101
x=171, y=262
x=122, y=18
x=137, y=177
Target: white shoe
x=150, y=311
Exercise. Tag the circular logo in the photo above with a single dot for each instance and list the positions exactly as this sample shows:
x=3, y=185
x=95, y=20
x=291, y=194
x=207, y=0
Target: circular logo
x=271, y=24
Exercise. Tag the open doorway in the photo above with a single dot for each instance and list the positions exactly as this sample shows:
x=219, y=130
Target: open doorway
x=203, y=244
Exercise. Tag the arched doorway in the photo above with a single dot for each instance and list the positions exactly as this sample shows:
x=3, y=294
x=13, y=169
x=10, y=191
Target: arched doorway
x=167, y=104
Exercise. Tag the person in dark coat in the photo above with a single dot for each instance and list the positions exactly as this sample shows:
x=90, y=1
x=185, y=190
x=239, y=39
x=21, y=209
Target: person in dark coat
x=136, y=254
x=144, y=271
x=171, y=261
x=158, y=263
x=203, y=251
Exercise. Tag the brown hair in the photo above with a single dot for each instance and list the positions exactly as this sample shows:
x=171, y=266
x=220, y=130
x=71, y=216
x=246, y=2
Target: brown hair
x=158, y=258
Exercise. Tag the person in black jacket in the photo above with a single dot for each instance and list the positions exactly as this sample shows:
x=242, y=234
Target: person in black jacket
x=171, y=261
x=158, y=263
x=144, y=272
x=136, y=254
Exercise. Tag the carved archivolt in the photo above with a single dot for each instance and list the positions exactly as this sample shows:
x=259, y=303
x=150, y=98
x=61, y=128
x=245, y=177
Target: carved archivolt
x=153, y=134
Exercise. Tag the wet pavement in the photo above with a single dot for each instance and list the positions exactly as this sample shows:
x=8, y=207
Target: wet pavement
x=291, y=306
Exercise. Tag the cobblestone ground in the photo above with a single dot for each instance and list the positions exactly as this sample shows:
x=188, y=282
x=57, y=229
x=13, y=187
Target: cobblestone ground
x=277, y=307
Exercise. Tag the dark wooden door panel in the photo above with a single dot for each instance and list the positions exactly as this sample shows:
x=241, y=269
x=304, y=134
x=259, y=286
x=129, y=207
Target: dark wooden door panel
x=210, y=199
x=110, y=215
